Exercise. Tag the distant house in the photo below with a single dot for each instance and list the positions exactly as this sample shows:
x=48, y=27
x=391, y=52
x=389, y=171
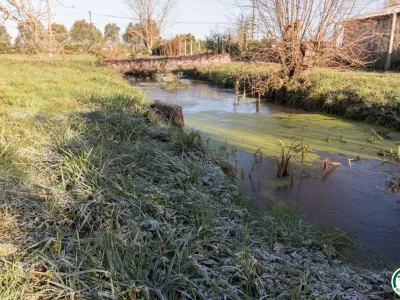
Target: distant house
x=383, y=29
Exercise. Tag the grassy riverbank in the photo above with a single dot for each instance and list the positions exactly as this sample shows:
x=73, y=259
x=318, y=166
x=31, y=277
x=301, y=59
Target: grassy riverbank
x=356, y=95
x=98, y=199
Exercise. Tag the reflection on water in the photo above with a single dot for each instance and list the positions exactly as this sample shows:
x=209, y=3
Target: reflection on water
x=356, y=200
x=201, y=97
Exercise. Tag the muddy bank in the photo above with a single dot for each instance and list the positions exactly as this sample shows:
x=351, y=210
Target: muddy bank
x=344, y=103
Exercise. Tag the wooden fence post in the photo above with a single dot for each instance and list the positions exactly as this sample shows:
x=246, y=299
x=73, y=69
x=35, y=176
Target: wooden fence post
x=229, y=41
x=185, y=47
x=392, y=35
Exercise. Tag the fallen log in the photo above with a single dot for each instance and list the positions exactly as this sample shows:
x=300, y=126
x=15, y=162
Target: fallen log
x=171, y=113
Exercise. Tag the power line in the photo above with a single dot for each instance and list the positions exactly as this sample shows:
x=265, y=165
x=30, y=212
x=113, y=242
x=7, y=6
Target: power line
x=200, y=23
x=133, y=19
x=137, y=20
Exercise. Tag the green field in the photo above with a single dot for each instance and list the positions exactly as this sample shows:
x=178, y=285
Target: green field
x=101, y=200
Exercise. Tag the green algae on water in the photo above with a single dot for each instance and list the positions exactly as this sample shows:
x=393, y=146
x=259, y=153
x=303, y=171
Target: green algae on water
x=278, y=183
x=249, y=132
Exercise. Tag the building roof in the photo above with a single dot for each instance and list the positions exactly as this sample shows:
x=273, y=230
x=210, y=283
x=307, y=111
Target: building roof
x=380, y=12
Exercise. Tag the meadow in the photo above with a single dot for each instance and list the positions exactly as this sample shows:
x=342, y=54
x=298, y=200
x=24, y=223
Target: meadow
x=99, y=199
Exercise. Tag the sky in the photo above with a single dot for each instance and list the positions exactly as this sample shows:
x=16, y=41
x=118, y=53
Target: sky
x=189, y=16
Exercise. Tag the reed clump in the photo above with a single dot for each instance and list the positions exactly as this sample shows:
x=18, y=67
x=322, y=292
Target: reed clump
x=283, y=164
x=174, y=82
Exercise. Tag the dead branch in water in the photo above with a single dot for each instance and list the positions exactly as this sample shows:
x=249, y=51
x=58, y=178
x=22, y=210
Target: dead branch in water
x=395, y=185
x=325, y=165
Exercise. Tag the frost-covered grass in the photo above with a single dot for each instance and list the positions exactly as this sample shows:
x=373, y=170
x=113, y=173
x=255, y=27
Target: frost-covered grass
x=99, y=200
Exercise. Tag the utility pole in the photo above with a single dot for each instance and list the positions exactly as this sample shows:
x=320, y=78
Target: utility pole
x=50, y=29
x=391, y=41
x=244, y=32
x=253, y=20
x=242, y=25
x=90, y=18
x=229, y=45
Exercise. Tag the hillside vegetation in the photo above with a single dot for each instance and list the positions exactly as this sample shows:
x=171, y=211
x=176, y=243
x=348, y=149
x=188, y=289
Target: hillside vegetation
x=100, y=200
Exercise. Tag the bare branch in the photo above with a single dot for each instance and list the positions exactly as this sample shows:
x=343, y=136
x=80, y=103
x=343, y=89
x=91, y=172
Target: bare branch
x=151, y=16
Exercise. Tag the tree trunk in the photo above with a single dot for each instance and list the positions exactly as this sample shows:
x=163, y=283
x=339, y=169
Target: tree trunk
x=297, y=58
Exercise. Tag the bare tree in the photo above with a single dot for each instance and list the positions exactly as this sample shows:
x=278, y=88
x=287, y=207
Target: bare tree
x=151, y=16
x=34, y=21
x=391, y=2
x=309, y=32
x=28, y=18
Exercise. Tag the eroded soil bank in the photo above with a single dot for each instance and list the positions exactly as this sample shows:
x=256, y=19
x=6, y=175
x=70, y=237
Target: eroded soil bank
x=356, y=199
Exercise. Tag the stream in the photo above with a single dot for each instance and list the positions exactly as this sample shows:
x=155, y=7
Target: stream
x=353, y=195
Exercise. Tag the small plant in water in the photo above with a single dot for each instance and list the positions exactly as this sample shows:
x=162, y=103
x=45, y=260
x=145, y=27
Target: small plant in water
x=395, y=185
x=243, y=173
x=372, y=140
x=283, y=162
x=260, y=153
x=325, y=165
x=256, y=160
x=377, y=135
x=174, y=82
x=304, y=148
x=342, y=138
